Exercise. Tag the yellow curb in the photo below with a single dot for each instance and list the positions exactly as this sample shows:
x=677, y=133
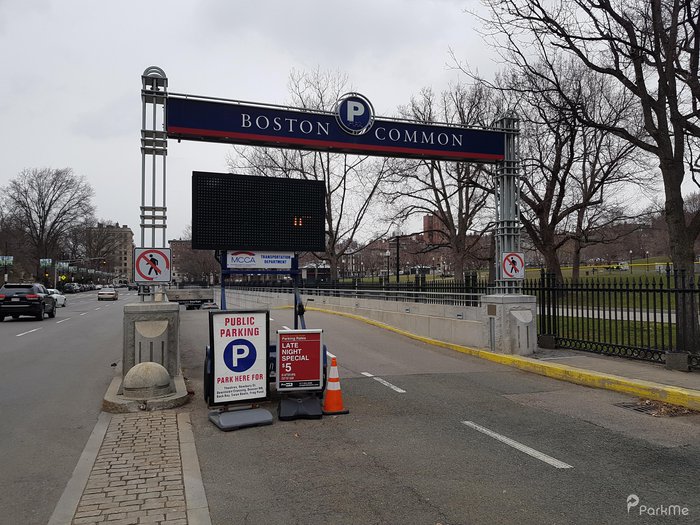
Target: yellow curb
x=684, y=397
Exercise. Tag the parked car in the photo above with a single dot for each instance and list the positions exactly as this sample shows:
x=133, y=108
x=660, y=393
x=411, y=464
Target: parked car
x=71, y=288
x=58, y=297
x=107, y=294
x=210, y=306
x=32, y=299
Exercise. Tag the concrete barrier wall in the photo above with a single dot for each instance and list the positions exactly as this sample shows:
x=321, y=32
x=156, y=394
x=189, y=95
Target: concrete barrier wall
x=454, y=324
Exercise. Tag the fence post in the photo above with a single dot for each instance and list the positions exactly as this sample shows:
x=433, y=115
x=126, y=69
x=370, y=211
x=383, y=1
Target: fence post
x=677, y=358
x=548, y=311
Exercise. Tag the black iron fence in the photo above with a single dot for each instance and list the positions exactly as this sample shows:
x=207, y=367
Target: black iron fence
x=636, y=317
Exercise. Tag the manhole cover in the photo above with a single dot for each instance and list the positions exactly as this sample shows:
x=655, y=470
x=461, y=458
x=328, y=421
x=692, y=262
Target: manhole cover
x=656, y=408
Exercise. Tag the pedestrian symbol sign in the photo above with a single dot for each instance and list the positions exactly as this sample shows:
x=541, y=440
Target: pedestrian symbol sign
x=152, y=265
x=513, y=265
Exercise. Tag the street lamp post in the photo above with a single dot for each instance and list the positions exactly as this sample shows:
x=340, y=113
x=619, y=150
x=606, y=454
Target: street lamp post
x=387, y=254
x=646, y=254
x=630, y=261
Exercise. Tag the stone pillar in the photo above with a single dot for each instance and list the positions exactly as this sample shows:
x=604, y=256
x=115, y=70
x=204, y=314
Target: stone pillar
x=151, y=334
x=509, y=325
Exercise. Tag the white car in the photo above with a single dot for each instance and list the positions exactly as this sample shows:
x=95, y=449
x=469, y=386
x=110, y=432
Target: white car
x=107, y=294
x=58, y=296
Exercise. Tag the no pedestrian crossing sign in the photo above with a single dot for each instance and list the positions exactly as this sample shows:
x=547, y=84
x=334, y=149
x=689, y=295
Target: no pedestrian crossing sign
x=152, y=265
x=513, y=265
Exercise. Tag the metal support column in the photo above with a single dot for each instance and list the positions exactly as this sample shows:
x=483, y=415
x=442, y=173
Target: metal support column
x=154, y=149
x=507, y=203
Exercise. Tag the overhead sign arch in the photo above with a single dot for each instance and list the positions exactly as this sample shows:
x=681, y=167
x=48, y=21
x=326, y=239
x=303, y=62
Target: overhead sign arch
x=351, y=129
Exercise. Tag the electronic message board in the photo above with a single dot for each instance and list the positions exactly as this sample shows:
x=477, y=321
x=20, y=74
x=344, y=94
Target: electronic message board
x=243, y=212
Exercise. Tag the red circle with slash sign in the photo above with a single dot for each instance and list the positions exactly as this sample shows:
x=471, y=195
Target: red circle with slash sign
x=513, y=265
x=148, y=258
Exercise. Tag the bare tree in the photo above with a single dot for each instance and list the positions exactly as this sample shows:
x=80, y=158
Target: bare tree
x=457, y=194
x=352, y=182
x=574, y=173
x=650, y=50
x=46, y=205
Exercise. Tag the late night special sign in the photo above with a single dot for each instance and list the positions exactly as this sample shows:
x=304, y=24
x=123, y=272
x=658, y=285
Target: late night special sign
x=351, y=129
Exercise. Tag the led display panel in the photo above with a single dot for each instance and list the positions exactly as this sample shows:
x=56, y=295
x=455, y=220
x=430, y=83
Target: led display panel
x=243, y=212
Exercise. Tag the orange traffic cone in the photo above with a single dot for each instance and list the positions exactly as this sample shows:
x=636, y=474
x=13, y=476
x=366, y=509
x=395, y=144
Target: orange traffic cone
x=333, y=400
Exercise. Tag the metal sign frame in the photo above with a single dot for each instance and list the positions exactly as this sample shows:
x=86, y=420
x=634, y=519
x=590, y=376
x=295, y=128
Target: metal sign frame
x=209, y=119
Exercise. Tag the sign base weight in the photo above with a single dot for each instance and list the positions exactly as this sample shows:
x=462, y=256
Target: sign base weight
x=291, y=408
x=240, y=418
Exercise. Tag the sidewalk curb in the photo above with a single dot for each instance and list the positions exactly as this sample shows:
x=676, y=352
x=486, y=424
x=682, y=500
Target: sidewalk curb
x=684, y=397
x=65, y=508
x=195, y=497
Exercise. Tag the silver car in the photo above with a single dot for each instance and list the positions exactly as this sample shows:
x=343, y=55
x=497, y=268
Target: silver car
x=107, y=294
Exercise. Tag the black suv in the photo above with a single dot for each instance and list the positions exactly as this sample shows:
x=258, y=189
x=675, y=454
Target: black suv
x=26, y=299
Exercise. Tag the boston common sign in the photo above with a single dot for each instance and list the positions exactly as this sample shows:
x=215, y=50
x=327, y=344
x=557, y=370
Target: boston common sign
x=352, y=128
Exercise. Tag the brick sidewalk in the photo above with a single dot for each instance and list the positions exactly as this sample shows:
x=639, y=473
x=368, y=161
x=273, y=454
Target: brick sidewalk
x=137, y=476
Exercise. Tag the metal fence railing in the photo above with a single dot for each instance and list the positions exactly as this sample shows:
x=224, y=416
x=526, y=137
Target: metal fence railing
x=639, y=318
x=635, y=317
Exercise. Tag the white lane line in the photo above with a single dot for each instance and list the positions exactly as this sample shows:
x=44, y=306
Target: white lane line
x=286, y=327
x=519, y=446
x=63, y=320
x=385, y=383
x=29, y=332
x=98, y=308
x=84, y=313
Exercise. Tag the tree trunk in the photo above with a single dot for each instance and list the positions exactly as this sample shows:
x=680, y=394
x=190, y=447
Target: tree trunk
x=576, y=263
x=551, y=262
x=681, y=242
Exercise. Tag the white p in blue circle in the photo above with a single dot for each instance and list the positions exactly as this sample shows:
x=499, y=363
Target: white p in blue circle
x=355, y=113
x=240, y=355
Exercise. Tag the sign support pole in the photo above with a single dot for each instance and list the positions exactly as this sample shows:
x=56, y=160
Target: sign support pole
x=507, y=205
x=154, y=145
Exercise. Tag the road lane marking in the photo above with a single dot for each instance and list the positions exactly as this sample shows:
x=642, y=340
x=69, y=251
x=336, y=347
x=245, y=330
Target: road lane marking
x=285, y=327
x=385, y=383
x=98, y=308
x=84, y=313
x=29, y=332
x=63, y=320
x=519, y=446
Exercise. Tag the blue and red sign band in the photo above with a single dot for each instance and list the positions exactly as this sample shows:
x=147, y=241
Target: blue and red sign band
x=236, y=123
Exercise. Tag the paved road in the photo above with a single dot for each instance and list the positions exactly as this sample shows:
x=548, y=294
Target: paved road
x=433, y=436
x=421, y=444
x=53, y=376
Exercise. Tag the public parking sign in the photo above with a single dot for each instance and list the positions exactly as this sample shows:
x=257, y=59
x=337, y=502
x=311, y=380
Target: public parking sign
x=299, y=360
x=152, y=265
x=238, y=340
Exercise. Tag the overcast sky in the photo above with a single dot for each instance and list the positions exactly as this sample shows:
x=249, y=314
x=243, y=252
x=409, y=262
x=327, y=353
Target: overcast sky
x=71, y=75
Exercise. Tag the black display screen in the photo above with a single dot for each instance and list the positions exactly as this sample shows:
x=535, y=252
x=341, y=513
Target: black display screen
x=243, y=212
